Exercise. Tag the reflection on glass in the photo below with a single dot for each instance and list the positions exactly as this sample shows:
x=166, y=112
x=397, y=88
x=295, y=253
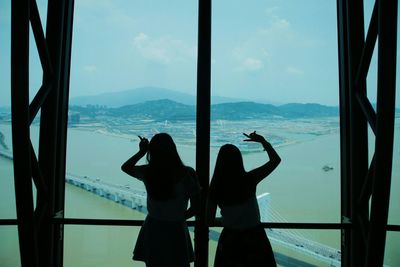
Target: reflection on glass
x=9, y=248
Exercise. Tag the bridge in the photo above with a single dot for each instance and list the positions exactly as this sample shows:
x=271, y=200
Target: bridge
x=136, y=199
x=129, y=197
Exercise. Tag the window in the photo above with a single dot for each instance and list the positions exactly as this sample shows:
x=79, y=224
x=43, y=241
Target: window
x=133, y=72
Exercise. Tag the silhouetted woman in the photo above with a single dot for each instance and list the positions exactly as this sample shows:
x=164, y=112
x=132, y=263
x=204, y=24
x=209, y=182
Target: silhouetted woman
x=164, y=237
x=243, y=242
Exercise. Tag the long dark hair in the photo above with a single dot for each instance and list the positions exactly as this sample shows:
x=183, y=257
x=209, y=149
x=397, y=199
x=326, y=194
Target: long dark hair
x=229, y=184
x=165, y=167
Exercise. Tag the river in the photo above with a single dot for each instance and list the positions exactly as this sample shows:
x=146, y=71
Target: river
x=301, y=191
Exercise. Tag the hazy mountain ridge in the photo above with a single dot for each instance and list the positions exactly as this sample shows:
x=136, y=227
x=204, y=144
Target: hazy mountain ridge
x=163, y=109
x=139, y=95
x=166, y=109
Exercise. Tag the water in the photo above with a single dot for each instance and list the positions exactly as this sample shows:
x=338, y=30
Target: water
x=301, y=191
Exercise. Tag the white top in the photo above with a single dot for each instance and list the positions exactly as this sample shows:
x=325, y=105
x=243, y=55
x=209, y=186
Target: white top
x=173, y=209
x=241, y=216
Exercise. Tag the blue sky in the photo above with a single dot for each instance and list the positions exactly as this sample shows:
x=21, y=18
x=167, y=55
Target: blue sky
x=276, y=51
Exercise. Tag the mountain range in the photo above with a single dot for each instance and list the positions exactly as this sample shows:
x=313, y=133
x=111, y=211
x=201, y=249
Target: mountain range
x=166, y=109
x=142, y=94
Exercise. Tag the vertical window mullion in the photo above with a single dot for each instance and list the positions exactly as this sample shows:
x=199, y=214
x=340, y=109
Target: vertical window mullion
x=203, y=126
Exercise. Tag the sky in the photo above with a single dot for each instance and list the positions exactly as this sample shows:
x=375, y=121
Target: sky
x=275, y=51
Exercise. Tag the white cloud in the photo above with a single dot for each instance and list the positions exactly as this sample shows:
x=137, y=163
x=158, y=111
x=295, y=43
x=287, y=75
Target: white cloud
x=270, y=11
x=278, y=28
x=251, y=64
x=249, y=56
x=164, y=50
x=90, y=68
x=294, y=71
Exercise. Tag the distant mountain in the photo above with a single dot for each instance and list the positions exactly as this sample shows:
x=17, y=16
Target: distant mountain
x=243, y=110
x=163, y=109
x=308, y=110
x=166, y=109
x=139, y=95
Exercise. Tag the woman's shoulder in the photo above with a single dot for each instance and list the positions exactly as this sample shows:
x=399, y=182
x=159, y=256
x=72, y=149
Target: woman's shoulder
x=190, y=171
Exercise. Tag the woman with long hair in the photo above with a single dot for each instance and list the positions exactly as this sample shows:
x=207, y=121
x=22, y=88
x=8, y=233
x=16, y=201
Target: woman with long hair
x=243, y=242
x=164, y=239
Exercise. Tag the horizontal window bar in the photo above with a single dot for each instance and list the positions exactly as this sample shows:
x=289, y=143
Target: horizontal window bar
x=272, y=225
x=8, y=221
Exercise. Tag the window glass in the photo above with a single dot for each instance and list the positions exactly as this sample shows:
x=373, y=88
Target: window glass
x=7, y=193
x=293, y=247
x=9, y=248
x=392, y=257
x=133, y=72
x=35, y=80
x=275, y=72
x=394, y=208
x=100, y=246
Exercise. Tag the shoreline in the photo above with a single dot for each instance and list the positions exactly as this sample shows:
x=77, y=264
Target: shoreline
x=309, y=135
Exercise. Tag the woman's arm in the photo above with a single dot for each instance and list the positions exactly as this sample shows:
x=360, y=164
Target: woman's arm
x=263, y=171
x=194, y=206
x=211, y=210
x=193, y=188
x=130, y=166
x=211, y=213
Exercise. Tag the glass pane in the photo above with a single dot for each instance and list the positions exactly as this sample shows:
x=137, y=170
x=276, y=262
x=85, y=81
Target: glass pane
x=267, y=66
x=394, y=208
x=392, y=257
x=100, y=246
x=7, y=193
x=80, y=201
x=135, y=76
x=35, y=80
x=296, y=247
x=9, y=248
x=5, y=49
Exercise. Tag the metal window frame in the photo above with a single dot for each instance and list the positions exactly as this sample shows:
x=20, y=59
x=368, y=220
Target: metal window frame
x=40, y=240
x=364, y=244
x=363, y=229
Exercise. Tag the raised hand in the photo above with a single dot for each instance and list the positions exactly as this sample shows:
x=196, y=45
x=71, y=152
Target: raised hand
x=254, y=137
x=143, y=144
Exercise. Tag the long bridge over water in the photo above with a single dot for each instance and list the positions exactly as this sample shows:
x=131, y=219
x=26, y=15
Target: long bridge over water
x=136, y=199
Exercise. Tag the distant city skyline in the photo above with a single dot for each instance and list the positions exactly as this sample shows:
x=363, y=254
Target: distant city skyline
x=272, y=51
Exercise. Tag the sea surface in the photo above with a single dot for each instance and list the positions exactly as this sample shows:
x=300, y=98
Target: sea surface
x=300, y=189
